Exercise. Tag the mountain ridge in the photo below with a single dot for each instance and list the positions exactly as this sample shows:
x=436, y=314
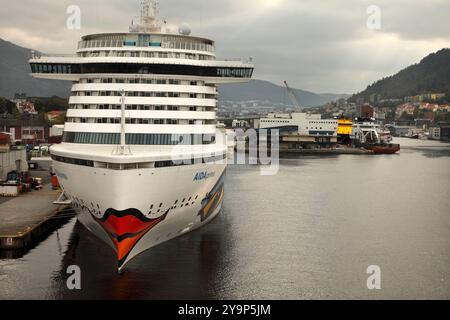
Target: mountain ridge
x=431, y=74
x=263, y=90
x=15, y=77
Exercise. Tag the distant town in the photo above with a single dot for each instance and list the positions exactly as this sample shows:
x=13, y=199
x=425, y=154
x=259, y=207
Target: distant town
x=33, y=121
x=428, y=112
x=40, y=120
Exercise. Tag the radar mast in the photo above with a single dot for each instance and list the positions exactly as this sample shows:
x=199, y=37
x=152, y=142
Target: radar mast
x=148, y=20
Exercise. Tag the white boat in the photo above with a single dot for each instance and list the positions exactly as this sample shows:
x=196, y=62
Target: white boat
x=142, y=160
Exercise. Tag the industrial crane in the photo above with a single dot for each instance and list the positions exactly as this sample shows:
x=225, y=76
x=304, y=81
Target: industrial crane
x=292, y=96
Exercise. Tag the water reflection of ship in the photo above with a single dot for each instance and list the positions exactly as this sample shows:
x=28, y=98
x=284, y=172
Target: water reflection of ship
x=183, y=269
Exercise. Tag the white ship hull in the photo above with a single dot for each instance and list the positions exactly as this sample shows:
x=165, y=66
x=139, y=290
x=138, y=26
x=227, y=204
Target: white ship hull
x=141, y=102
x=135, y=210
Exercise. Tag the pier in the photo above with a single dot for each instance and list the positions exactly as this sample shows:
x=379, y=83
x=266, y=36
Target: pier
x=29, y=217
x=313, y=151
x=326, y=151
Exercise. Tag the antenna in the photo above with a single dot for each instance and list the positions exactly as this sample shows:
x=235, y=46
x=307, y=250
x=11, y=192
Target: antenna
x=122, y=122
x=122, y=149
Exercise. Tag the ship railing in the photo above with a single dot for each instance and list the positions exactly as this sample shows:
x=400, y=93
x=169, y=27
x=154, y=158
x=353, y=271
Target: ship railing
x=39, y=55
x=248, y=60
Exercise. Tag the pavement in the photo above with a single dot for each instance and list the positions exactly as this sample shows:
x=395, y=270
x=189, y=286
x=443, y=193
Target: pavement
x=43, y=174
x=27, y=210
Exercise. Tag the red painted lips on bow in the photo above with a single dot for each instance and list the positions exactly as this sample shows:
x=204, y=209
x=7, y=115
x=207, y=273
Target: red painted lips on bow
x=126, y=228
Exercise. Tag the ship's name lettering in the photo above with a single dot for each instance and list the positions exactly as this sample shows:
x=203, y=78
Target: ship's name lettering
x=203, y=175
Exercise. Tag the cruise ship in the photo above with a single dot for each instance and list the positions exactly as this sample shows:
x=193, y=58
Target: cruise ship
x=142, y=159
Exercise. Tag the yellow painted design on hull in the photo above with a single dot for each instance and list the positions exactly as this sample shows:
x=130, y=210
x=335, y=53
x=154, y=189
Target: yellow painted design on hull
x=208, y=206
x=221, y=195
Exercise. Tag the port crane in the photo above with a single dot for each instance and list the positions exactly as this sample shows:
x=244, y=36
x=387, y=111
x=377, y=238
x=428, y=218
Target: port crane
x=292, y=96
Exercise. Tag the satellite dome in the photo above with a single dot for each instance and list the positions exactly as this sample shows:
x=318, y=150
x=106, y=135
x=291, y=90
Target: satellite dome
x=184, y=30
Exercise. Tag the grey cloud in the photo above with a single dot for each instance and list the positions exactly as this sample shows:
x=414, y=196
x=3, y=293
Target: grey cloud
x=318, y=45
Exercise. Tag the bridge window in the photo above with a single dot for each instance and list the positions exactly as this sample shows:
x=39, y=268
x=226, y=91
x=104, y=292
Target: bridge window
x=135, y=68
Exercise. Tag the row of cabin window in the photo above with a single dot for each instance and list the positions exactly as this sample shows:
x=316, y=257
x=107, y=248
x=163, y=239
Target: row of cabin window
x=141, y=94
x=146, y=54
x=323, y=122
x=139, y=107
x=138, y=138
x=278, y=121
x=317, y=128
x=140, y=81
x=321, y=133
x=141, y=121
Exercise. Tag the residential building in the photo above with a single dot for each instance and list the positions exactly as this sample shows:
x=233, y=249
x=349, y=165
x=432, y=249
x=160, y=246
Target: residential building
x=435, y=133
x=29, y=132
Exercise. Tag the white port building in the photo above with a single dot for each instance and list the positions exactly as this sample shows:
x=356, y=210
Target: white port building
x=305, y=124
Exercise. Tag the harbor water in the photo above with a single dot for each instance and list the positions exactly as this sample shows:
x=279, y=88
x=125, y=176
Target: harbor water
x=309, y=232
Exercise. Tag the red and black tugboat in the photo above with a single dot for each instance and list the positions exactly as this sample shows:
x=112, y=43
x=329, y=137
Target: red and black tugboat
x=383, y=148
x=366, y=135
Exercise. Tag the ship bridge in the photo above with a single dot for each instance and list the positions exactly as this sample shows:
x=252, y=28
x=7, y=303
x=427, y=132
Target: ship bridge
x=142, y=54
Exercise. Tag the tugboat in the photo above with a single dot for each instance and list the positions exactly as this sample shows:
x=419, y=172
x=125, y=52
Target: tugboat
x=383, y=148
x=365, y=135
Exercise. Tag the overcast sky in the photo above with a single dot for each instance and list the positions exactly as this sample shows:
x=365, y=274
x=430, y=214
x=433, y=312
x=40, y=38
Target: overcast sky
x=317, y=45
